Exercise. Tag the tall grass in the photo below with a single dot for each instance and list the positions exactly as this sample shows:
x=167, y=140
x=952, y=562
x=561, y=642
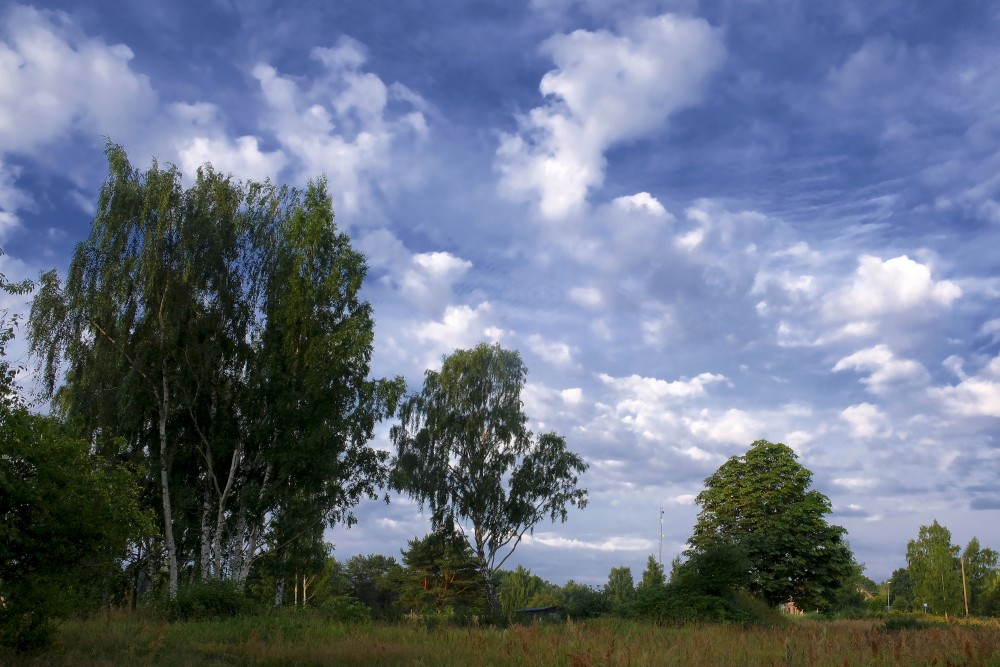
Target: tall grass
x=307, y=639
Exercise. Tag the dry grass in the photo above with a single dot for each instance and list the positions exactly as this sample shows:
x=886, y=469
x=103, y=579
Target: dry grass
x=304, y=639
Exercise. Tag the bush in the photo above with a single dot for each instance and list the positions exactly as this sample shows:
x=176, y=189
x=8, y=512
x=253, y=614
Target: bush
x=209, y=599
x=345, y=609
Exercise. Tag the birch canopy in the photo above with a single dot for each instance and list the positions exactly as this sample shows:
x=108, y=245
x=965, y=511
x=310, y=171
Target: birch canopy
x=464, y=450
x=218, y=331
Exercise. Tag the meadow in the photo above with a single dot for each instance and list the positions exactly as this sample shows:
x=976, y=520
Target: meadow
x=121, y=638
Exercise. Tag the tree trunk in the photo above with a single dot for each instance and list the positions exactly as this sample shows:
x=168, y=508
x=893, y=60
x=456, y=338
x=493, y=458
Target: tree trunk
x=168, y=520
x=489, y=587
x=279, y=591
x=206, y=556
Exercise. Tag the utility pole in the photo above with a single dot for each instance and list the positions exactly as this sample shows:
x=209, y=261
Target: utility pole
x=965, y=591
x=661, y=535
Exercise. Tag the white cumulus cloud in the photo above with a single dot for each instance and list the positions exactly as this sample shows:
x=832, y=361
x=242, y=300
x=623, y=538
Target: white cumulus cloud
x=891, y=286
x=606, y=89
x=884, y=368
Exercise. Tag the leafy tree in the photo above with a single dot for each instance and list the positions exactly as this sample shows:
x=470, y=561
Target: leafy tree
x=519, y=589
x=980, y=570
x=441, y=573
x=464, y=449
x=582, y=601
x=219, y=332
x=66, y=516
x=933, y=564
x=653, y=576
x=761, y=502
x=375, y=582
x=620, y=587
x=900, y=590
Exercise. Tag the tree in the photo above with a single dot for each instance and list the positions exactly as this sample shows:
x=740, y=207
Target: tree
x=464, y=449
x=653, y=576
x=375, y=582
x=980, y=570
x=519, y=589
x=219, y=332
x=761, y=503
x=900, y=590
x=441, y=574
x=620, y=587
x=933, y=564
x=66, y=516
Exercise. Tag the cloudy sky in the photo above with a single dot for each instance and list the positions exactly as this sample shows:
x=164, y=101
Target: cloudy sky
x=700, y=222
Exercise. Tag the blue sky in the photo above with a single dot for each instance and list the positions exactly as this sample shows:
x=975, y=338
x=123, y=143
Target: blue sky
x=701, y=223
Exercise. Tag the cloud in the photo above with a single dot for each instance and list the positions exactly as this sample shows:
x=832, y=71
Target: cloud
x=428, y=280
x=58, y=81
x=460, y=327
x=12, y=199
x=555, y=353
x=977, y=396
x=615, y=543
x=200, y=136
x=866, y=421
x=886, y=287
x=656, y=389
x=589, y=297
x=343, y=123
x=732, y=427
x=885, y=368
x=606, y=89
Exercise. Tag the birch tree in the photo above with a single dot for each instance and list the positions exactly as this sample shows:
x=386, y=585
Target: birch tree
x=464, y=450
x=219, y=331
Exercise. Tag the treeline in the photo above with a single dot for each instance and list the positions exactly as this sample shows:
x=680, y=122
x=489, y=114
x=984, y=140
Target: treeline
x=948, y=579
x=206, y=359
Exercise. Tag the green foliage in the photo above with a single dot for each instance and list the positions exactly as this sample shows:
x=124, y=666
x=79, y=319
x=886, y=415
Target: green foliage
x=219, y=332
x=345, y=609
x=762, y=503
x=932, y=561
x=209, y=599
x=653, y=577
x=900, y=591
x=579, y=601
x=464, y=449
x=375, y=582
x=620, y=588
x=441, y=572
x=519, y=589
x=980, y=571
x=66, y=517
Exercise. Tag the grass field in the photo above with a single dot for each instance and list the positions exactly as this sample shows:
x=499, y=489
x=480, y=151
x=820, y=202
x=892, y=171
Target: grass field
x=305, y=639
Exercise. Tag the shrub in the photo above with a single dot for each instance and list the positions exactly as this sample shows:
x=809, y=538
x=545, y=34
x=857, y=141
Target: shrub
x=345, y=609
x=209, y=599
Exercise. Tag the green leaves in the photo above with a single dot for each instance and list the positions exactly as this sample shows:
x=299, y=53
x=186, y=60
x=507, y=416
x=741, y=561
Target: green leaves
x=219, y=332
x=464, y=450
x=761, y=504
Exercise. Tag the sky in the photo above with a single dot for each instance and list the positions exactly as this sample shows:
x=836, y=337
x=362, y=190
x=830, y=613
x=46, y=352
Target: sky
x=701, y=223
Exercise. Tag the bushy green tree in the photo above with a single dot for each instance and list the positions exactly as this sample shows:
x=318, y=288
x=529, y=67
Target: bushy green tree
x=66, y=516
x=464, y=449
x=375, y=582
x=520, y=589
x=441, y=574
x=620, y=588
x=762, y=503
x=220, y=333
x=653, y=576
x=582, y=601
x=980, y=571
x=932, y=561
x=900, y=590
